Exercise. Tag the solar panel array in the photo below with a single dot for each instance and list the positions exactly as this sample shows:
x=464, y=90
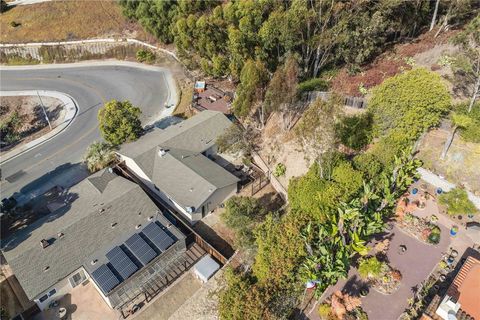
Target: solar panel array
x=157, y=236
x=121, y=262
x=105, y=278
x=140, y=249
x=120, y=266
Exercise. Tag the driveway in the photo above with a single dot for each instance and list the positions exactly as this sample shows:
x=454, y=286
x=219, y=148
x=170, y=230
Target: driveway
x=90, y=85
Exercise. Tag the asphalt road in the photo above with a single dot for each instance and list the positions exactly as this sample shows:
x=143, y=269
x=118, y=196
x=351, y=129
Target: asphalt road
x=56, y=162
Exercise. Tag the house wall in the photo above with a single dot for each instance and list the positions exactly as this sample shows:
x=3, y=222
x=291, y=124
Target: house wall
x=132, y=165
x=219, y=196
x=62, y=288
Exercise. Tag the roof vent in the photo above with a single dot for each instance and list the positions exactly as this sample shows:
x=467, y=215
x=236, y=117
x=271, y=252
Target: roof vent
x=102, y=210
x=162, y=152
x=191, y=189
x=113, y=225
x=44, y=243
x=110, y=170
x=138, y=226
x=46, y=269
x=190, y=209
x=150, y=218
x=60, y=235
x=93, y=262
x=169, y=225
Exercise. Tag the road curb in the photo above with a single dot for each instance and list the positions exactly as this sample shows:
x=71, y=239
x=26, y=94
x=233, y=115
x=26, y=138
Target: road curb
x=71, y=110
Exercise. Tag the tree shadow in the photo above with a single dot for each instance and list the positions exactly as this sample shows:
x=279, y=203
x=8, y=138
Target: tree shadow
x=271, y=201
x=353, y=286
x=51, y=203
x=207, y=233
x=163, y=123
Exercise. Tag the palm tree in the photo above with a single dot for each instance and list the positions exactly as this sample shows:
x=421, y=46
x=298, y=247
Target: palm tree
x=459, y=121
x=99, y=155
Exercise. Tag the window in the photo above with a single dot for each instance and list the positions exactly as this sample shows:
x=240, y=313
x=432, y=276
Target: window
x=52, y=292
x=77, y=278
x=203, y=211
x=43, y=298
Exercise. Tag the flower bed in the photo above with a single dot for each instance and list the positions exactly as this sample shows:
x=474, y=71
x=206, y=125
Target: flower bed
x=381, y=276
x=421, y=228
x=388, y=281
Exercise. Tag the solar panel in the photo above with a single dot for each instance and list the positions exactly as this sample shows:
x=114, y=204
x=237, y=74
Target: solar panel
x=121, y=262
x=105, y=278
x=158, y=237
x=140, y=249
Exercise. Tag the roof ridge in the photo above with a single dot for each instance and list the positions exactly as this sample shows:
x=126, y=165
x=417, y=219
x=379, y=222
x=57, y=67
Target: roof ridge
x=189, y=168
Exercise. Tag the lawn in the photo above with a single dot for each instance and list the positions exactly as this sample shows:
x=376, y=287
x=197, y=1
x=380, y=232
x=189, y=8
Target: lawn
x=66, y=20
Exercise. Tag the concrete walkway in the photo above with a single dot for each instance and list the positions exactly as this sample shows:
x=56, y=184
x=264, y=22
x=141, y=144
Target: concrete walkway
x=440, y=182
x=71, y=110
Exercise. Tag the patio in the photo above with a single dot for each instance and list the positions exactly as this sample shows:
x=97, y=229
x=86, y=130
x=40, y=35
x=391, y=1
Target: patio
x=82, y=303
x=415, y=263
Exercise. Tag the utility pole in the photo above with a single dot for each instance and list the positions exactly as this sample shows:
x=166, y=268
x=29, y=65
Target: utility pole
x=44, y=112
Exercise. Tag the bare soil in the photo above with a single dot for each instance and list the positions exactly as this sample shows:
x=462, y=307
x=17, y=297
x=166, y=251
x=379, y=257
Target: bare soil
x=279, y=146
x=461, y=165
x=33, y=123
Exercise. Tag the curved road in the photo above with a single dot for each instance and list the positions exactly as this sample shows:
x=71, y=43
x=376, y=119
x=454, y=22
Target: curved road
x=56, y=162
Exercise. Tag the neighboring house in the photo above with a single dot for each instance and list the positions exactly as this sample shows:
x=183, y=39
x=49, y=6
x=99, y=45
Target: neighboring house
x=175, y=164
x=208, y=97
x=107, y=230
x=462, y=299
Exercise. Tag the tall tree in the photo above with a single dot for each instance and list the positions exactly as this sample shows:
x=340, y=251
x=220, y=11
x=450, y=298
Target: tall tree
x=316, y=130
x=467, y=63
x=458, y=121
x=119, y=121
x=253, y=79
x=281, y=93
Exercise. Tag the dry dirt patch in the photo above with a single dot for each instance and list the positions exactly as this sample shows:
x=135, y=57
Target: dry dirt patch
x=28, y=111
x=461, y=165
x=66, y=20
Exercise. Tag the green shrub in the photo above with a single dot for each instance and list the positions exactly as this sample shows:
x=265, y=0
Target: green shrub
x=369, y=164
x=413, y=101
x=312, y=85
x=145, y=56
x=370, y=267
x=355, y=132
x=457, y=202
x=325, y=312
x=470, y=133
x=280, y=170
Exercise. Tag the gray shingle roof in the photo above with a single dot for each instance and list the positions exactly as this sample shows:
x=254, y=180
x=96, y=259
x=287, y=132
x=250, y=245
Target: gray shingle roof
x=86, y=225
x=197, y=133
x=188, y=177
x=183, y=172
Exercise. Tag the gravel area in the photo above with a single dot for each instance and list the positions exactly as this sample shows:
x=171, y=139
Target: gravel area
x=204, y=303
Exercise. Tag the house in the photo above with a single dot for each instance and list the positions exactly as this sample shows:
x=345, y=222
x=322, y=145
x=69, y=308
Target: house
x=462, y=299
x=108, y=231
x=175, y=164
x=208, y=97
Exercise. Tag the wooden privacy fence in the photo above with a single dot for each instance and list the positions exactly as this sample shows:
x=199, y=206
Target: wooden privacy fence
x=349, y=101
